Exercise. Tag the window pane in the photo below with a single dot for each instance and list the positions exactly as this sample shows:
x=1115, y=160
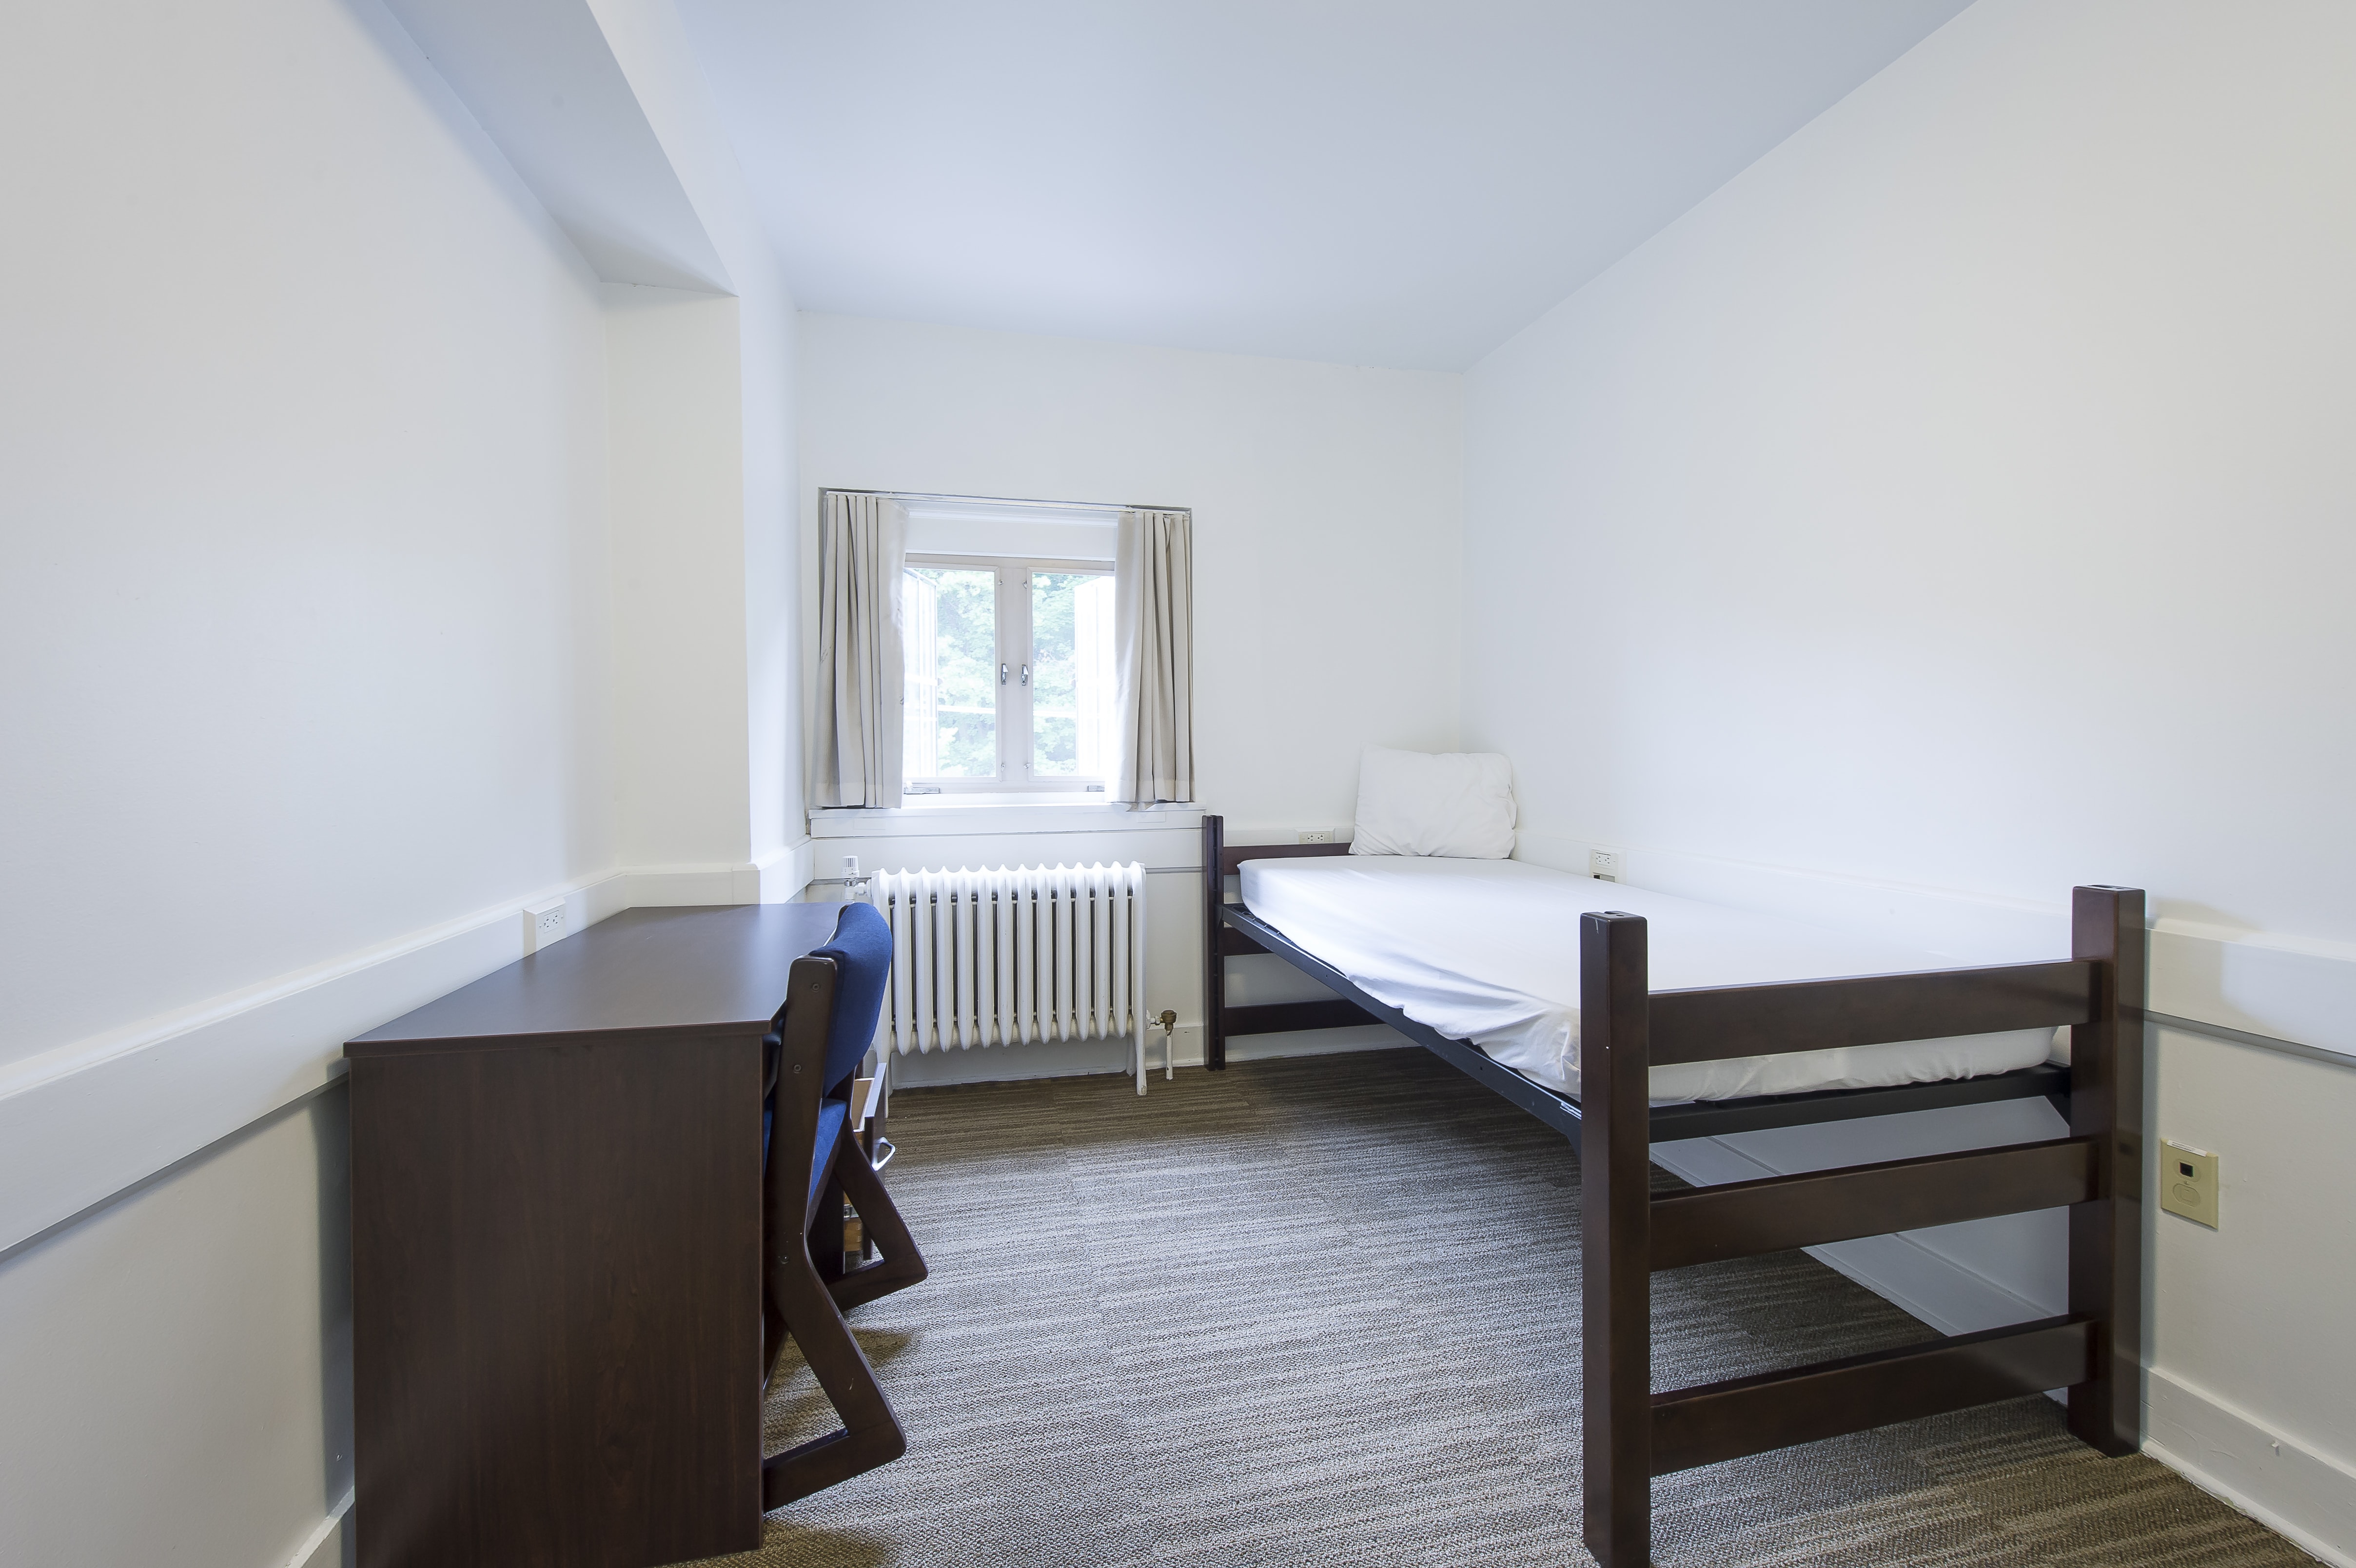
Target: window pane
x=1072, y=676
x=948, y=617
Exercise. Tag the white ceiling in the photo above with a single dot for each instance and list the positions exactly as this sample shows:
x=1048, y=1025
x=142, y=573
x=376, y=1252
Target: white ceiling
x=1404, y=183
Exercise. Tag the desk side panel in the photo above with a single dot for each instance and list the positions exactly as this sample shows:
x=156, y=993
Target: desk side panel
x=556, y=1304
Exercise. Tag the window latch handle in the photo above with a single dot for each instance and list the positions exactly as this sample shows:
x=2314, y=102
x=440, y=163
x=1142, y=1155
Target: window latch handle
x=1001, y=674
x=1026, y=674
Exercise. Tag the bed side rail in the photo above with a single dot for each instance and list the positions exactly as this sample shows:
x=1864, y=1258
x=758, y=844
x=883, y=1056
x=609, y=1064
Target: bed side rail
x=1727, y=1021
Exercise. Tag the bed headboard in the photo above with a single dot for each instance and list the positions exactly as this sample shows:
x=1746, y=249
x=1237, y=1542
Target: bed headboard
x=1221, y=941
x=1221, y=858
x=1234, y=856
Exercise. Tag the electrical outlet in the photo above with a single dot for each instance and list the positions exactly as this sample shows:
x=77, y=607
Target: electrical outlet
x=1603, y=865
x=2188, y=1183
x=1317, y=835
x=543, y=925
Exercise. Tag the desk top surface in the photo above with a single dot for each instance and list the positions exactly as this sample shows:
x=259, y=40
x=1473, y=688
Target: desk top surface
x=721, y=970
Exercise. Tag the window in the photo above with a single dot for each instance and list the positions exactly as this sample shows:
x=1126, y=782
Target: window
x=1009, y=674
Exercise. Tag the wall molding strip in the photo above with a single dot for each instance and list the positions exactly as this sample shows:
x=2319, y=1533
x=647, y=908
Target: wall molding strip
x=85, y=1123
x=165, y=1173
x=2244, y=1037
x=2259, y=988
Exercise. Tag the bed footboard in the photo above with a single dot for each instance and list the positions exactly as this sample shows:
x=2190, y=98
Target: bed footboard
x=1632, y=1433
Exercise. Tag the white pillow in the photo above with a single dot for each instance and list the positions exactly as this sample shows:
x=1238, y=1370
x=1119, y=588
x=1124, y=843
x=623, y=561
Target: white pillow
x=1457, y=803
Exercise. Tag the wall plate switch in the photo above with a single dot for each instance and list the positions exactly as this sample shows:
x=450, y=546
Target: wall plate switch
x=2188, y=1183
x=544, y=924
x=1317, y=835
x=1603, y=865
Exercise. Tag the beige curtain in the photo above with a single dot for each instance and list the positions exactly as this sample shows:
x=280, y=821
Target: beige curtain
x=1154, y=617
x=855, y=730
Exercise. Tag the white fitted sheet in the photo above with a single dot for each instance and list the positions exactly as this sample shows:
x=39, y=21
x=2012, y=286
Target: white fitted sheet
x=1487, y=951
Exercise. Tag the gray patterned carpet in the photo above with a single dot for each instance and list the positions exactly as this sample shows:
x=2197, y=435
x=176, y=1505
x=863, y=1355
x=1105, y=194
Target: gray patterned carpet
x=1325, y=1311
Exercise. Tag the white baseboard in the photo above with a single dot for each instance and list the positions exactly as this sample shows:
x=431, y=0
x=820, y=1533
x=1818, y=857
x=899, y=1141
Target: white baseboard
x=2278, y=1481
x=87, y=1121
x=779, y=876
x=1317, y=1043
x=1015, y=1064
x=681, y=887
x=1079, y=1059
x=329, y=1544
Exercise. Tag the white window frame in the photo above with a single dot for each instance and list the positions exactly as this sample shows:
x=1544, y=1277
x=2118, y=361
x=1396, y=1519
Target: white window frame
x=1017, y=656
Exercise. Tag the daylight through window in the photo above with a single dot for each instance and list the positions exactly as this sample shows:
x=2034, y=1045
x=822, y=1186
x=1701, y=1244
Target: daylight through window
x=1011, y=674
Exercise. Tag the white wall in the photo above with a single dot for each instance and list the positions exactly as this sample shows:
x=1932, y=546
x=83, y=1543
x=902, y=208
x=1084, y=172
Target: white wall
x=1327, y=505
x=1955, y=507
x=304, y=430
x=2250, y=1339
x=772, y=590
x=341, y=491
x=1958, y=495
x=1327, y=518
x=175, y=1373
x=757, y=594
x=678, y=557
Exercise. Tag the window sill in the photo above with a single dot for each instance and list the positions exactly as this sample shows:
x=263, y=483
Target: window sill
x=963, y=815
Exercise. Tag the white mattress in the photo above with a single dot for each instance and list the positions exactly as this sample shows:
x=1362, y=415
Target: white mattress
x=1487, y=951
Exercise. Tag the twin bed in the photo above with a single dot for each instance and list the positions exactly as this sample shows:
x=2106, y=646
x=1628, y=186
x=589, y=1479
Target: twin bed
x=1663, y=1018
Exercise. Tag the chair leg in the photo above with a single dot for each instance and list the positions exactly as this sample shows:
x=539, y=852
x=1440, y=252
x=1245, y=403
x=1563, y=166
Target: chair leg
x=871, y=1435
x=898, y=1264
x=808, y=1300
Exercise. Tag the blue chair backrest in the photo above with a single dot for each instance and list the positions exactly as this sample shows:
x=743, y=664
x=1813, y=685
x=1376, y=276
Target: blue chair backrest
x=861, y=951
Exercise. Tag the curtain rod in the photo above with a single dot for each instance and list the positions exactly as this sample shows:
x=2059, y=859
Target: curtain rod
x=1002, y=501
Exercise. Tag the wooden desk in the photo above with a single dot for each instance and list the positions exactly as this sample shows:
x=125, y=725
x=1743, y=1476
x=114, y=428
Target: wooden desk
x=556, y=1249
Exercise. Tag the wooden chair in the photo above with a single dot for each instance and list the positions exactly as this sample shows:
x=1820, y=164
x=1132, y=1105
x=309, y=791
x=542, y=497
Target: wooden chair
x=812, y=1163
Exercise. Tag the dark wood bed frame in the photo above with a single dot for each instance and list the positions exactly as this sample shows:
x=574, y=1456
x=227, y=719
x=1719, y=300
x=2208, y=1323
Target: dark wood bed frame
x=1632, y=1433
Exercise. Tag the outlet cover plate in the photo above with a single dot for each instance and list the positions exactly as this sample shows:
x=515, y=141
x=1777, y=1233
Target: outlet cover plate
x=2188, y=1182
x=544, y=925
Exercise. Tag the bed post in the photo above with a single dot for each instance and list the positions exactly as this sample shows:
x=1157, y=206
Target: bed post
x=1214, y=962
x=2107, y=925
x=1615, y=1161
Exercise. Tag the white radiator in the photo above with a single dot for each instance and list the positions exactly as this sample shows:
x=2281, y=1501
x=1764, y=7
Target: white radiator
x=1016, y=955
